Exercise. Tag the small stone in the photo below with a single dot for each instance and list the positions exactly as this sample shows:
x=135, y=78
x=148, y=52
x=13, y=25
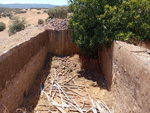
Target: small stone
x=59, y=74
x=63, y=67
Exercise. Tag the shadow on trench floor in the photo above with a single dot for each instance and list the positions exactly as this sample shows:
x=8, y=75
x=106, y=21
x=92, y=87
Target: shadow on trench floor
x=76, y=69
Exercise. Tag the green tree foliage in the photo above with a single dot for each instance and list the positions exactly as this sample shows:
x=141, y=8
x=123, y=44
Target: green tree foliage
x=99, y=22
x=58, y=12
x=129, y=20
x=16, y=26
x=2, y=26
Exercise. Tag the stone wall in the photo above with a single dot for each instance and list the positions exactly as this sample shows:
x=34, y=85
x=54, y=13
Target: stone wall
x=127, y=71
x=19, y=66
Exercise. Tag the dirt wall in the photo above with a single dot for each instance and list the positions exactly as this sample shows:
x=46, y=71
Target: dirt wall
x=127, y=71
x=60, y=42
x=126, y=68
x=19, y=67
x=145, y=44
x=22, y=57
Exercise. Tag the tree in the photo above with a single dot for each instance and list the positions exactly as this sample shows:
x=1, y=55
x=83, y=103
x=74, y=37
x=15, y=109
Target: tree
x=98, y=22
x=84, y=24
x=2, y=26
x=128, y=21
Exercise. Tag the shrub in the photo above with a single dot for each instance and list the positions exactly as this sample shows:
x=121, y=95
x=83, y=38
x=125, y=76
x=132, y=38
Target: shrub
x=23, y=11
x=19, y=11
x=98, y=22
x=38, y=12
x=4, y=15
x=13, y=17
x=38, y=8
x=45, y=11
x=7, y=11
x=58, y=12
x=40, y=21
x=8, y=14
x=16, y=26
x=2, y=26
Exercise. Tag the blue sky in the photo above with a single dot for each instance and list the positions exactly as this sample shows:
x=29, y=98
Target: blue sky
x=55, y=2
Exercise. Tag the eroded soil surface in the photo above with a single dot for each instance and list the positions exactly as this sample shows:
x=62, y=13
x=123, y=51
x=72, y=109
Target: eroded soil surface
x=81, y=74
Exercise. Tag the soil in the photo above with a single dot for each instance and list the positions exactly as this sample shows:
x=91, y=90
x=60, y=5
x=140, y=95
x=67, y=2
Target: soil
x=73, y=70
x=31, y=19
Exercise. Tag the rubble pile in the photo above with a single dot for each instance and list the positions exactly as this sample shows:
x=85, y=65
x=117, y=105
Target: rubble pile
x=57, y=24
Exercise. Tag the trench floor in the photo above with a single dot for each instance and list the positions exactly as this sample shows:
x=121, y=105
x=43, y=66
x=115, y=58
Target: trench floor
x=81, y=74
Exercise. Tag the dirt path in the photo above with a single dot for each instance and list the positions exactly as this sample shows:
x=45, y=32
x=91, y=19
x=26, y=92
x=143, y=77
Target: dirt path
x=75, y=72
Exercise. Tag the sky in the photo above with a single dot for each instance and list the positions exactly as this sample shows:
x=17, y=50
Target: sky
x=54, y=2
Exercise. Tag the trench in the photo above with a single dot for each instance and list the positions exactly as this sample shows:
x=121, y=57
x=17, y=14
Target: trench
x=78, y=70
x=27, y=70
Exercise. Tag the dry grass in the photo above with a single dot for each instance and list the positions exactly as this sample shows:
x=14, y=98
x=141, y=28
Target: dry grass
x=31, y=18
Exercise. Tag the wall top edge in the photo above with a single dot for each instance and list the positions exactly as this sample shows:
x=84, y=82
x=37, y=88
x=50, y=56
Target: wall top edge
x=19, y=38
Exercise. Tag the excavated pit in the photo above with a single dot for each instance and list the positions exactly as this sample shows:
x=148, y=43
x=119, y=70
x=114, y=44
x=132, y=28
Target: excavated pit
x=26, y=72
x=76, y=72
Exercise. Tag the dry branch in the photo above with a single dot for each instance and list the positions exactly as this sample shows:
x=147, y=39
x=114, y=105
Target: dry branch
x=64, y=93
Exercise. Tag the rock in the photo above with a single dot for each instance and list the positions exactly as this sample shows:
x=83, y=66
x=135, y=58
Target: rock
x=63, y=67
x=59, y=74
